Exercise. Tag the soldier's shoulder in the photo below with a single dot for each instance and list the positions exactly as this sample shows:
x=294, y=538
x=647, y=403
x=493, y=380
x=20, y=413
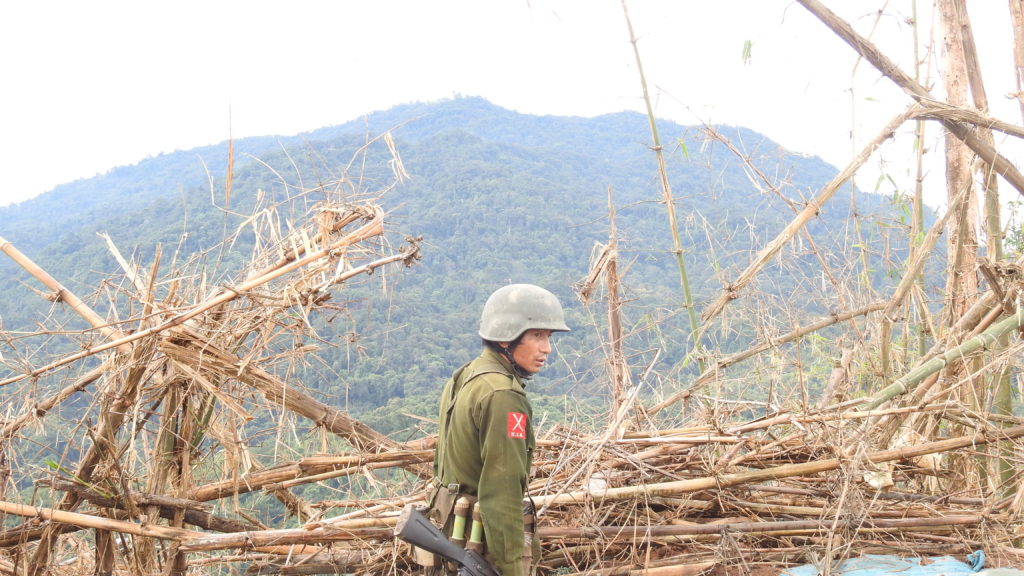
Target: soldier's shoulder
x=484, y=366
x=495, y=381
x=489, y=375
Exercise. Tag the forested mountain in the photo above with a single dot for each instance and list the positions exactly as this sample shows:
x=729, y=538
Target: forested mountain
x=498, y=197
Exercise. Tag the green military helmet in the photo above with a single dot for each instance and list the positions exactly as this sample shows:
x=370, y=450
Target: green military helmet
x=516, y=308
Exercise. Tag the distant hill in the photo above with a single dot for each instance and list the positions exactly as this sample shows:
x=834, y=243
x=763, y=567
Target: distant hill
x=498, y=196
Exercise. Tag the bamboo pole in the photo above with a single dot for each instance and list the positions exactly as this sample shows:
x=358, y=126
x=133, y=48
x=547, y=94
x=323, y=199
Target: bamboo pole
x=162, y=500
x=373, y=529
x=999, y=383
x=619, y=369
x=924, y=326
x=62, y=294
x=165, y=507
x=789, y=417
x=789, y=527
x=986, y=339
x=945, y=112
x=89, y=521
x=814, y=206
x=676, y=570
x=774, y=473
x=133, y=528
x=104, y=553
x=332, y=562
x=1017, y=21
x=867, y=50
x=670, y=207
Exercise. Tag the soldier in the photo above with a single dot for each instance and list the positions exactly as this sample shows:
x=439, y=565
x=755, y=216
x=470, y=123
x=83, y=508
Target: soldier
x=486, y=437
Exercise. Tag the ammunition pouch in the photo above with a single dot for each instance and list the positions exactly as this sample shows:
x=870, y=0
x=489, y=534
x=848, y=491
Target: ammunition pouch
x=442, y=503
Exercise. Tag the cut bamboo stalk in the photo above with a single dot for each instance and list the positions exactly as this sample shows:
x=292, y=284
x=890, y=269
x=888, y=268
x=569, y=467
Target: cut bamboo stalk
x=104, y=553
x=677, y=570
x=62, y=294
x=162, y=500
x=943, y=111
x=790, y=417
x=89, y=521
x=333, y=562
x=398, y=462
x=378, y=531
x=248, y=483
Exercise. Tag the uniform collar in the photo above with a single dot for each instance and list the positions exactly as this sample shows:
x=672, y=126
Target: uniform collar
x=493, y=356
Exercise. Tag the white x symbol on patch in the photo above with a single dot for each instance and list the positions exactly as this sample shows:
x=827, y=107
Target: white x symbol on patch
x=518, y=423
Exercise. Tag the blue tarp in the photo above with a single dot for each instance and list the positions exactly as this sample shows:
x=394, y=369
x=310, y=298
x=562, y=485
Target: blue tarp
x=881, y=565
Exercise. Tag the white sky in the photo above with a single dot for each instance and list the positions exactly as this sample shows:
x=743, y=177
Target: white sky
x=87, y=86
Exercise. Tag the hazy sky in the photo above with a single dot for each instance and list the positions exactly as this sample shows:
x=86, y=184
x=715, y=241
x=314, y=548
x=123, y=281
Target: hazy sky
x=87, y=86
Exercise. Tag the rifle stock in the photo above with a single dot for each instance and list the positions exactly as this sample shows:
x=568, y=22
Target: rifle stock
x=416, y=529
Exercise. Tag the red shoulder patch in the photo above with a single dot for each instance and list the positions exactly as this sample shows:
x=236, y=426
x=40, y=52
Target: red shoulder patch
x=517, y=425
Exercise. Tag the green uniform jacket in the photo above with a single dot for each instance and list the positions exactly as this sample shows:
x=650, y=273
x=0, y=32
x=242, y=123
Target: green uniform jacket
x=485, y=444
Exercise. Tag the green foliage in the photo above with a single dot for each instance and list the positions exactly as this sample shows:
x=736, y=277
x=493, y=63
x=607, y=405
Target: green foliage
x=497, y=196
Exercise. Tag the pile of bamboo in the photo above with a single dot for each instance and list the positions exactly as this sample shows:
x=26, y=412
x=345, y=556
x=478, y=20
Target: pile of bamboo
x=767, y=493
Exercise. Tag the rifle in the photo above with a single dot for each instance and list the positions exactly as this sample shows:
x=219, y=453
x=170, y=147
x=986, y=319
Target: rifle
x=418, y=530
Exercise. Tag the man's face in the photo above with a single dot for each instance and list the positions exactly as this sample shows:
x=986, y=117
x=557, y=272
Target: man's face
x=533, y=349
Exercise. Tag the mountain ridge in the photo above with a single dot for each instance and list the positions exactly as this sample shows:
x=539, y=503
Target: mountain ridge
x=498, y=196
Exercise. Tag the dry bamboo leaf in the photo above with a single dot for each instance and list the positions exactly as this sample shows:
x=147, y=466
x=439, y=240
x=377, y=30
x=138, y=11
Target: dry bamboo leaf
x=195, y=375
